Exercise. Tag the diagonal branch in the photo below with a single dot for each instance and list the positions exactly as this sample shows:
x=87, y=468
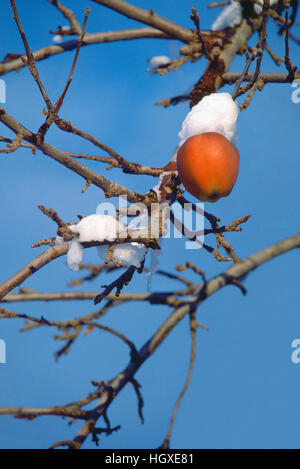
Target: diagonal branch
x=30, y=59
x=237, y=271
x=149, y=17
x=33, y=266
x=110, y=188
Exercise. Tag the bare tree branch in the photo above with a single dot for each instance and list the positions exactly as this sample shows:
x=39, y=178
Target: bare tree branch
x=110, y=188
x=231, y=78
x=69, y=15
x=89, y=39
x=153, y=297
x=150, y=18
x=52, y=113
x=237, y=271
x=33, y=266
x=114, y=386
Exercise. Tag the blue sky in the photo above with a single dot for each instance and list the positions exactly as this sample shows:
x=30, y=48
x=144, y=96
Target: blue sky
x=244, y=389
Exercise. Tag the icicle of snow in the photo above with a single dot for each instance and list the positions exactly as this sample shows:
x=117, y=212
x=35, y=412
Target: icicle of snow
x=229, y=17
x=74, y=255
x=57, y=38
x=214, y=113
x=258, y=9
x=154, y=261
x=156, y=62
x=59, y=240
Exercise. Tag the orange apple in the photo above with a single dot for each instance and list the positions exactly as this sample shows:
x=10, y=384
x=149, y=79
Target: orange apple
x=208, y=166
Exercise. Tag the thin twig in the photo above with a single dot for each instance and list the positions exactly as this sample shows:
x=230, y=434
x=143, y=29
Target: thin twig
x=196, y=19
x=52, y=114
x=69, y=15
x=288, y=63
x=14, y=145
x=193, y=328
x=275, y=57
x=249, y=60
x=30, y=59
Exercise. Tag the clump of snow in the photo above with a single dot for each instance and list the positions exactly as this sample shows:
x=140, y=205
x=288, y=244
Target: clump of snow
x=97, y=227
x=130, y=253
x=66, y=28
x=156, y=62
x=229, y=17
x=258, y=9
x=57, y=38
x=101, y=228
x=214, y=113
